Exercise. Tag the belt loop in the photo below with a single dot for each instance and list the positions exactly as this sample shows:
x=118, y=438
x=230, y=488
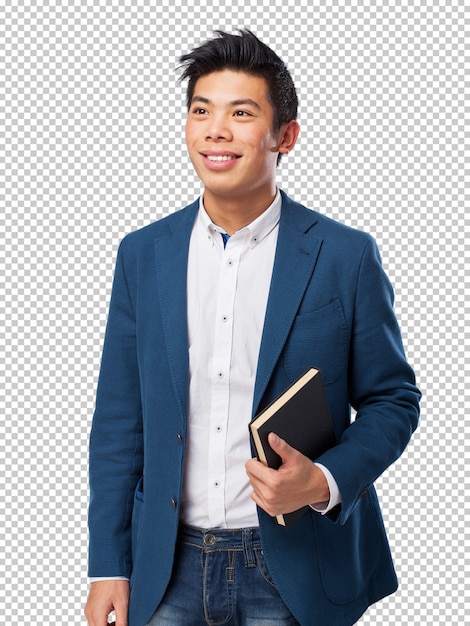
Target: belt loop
x=248, y=547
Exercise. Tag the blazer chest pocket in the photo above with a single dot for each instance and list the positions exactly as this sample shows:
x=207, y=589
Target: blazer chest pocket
x=318, y=339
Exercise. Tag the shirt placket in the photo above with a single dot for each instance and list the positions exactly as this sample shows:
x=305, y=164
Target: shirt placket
x=220, y=387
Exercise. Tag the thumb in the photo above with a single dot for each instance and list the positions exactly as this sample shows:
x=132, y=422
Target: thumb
x=281, y=447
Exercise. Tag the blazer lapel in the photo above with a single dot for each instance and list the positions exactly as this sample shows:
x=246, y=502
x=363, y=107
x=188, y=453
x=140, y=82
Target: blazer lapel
x=171, y=257
x=296, y=254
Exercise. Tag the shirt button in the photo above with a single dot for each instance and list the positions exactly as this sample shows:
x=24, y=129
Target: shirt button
x=220, y=374
x=230, y=262
x=216, y=484
x=218, y=429
x=225, y=318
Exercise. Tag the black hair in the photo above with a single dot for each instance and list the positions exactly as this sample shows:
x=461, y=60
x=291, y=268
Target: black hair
x=243, y=53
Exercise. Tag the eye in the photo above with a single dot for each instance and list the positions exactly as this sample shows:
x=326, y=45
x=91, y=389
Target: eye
x=199, y=111
x=242, y=114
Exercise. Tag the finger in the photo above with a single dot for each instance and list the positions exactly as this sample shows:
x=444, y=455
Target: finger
x=255, y=468
x=121, y=615
x=121, y=618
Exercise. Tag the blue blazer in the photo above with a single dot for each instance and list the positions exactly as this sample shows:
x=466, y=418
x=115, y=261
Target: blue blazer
x=330, y=306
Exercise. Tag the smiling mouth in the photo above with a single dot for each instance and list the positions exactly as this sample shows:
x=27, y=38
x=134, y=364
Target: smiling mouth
x=220, y=158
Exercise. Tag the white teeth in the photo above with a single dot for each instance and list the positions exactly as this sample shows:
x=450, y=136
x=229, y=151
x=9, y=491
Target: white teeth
x=225, y=157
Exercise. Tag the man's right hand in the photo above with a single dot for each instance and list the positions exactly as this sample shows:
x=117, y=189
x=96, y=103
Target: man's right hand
x=106, y=596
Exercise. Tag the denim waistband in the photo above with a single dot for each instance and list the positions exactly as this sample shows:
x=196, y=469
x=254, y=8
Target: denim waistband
x=219, y=539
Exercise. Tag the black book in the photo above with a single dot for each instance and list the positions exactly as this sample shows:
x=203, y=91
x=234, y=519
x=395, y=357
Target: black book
x=300, y=416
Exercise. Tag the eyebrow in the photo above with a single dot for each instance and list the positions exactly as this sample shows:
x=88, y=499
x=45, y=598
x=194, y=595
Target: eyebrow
x=240, y=102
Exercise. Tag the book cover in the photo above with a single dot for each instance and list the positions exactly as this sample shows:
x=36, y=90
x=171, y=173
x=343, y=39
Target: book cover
x=300, y=416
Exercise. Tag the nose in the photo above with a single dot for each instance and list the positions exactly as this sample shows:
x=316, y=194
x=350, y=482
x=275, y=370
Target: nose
x=218, y=129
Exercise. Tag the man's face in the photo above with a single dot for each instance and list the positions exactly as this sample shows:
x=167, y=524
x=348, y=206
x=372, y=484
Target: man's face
x=230, y=137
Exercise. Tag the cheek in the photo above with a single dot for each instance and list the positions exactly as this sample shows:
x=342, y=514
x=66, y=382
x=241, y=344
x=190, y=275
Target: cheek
x=262, y=145
x=190, y=133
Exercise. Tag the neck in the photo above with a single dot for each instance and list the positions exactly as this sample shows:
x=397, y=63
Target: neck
x=232, y=215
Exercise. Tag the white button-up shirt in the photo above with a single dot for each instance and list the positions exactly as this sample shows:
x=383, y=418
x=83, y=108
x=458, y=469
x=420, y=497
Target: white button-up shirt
x=227, y=291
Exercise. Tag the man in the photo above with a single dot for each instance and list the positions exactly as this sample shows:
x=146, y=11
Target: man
x=215, y=310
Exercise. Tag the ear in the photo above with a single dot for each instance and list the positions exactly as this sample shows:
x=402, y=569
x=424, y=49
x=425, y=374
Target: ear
x=288, y=136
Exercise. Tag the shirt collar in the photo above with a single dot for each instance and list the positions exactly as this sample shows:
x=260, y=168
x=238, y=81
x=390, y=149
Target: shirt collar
x=257, y=230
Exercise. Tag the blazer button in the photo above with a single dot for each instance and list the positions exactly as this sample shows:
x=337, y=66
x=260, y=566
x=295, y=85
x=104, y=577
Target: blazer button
x=180, y=437
x=173, y=503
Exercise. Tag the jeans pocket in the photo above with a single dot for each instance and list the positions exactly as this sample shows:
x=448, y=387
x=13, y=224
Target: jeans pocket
x=263, y=568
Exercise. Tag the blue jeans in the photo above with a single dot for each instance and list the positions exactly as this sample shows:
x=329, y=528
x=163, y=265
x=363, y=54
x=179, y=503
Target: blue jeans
x=220, y=577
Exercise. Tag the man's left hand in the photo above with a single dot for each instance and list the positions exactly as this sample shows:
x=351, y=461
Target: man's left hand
x=296, y=483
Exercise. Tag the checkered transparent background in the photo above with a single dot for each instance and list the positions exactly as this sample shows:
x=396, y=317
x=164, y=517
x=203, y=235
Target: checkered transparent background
x=92, y=147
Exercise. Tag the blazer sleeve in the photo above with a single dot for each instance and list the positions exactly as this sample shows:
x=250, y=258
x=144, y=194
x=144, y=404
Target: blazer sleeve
x=382, y=389
x=116, y=441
